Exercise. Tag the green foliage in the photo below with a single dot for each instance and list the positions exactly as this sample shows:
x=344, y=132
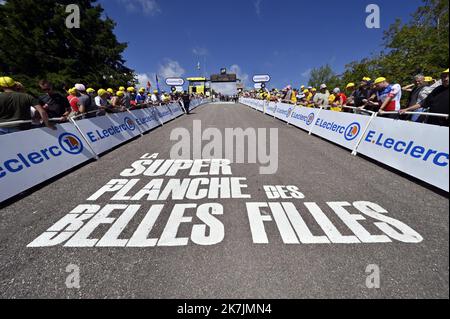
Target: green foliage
x=419, y=46
x=322, y=75
x=36, y=44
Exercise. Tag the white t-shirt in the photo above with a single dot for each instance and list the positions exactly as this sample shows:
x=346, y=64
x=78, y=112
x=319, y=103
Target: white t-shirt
x=155, y=98
x=393, y=91
x=100, y=102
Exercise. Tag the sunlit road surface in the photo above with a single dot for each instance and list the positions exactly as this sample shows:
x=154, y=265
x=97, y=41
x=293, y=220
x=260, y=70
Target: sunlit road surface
x=241, y=251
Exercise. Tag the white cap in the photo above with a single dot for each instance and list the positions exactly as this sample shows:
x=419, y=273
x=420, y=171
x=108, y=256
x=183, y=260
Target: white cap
x=323, y=86
x=337, y=90
x=80, y=87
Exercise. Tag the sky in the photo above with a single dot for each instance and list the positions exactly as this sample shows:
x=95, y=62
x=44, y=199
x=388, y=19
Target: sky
x=284, y=39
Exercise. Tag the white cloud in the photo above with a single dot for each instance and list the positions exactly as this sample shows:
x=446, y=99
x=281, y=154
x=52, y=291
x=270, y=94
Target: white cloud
x=148, y=7
x=144, y=78
x=170, y=69
x=201, y=51
x=244, y=77
x=257, y=4
x=307, y=73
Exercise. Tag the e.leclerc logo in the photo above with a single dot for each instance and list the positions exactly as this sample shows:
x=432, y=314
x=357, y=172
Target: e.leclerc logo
x=352, y=131
x=307, y=119
x=70, y=143
x=98, y=135
x=310, y=119
x=130, y=124
x=349, y=132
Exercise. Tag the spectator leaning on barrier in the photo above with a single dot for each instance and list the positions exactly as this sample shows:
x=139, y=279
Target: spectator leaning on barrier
x=127, y=97
x=110, y=94
x=351, y=89
x=86, y=103
x=72, y=98
x=362, y=95
x=389, y=97
x=431, y=86
x=16, y=106
x=436, y=102
x=337, y=100
x=415, y=89
x=140, y=97
x=416, y=96
x=101, y=101
x=131, y=92
x=117, y=101
x=294, y=97
x=302, y=99
x=55, y=104
x=91, y=92
x=155, y=98
x=321, y=98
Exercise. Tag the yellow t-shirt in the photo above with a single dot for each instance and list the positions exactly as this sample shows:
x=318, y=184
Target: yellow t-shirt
x=308, y=98
x=294, y=97
x=331, y=100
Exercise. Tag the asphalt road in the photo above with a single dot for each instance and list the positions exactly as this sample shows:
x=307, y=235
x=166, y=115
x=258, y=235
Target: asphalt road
x=236, y=266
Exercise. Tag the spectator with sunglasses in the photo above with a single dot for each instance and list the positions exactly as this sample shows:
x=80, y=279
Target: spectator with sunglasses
x=55, y=104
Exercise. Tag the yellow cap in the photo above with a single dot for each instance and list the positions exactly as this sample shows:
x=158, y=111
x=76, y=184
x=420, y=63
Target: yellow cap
x=72, y=91
x=351, y=85
x=314, y=90
x=120, y=93
x=141, y=90
x=305, y=91
x=110, y=91
x=366, y=78
x=428, y=79
x=155, y=91
x=379, y=80
x=445, y=71
x=7, y=82
x=122, y=88
x=90, y=90
x=101, y=92
x=131, y=89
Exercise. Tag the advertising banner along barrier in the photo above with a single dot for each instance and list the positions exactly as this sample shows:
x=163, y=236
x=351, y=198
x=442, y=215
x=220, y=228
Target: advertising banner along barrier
x=303, y=117
x=176, y=110
x=31, y=157
x=271, y=108
x=106, y=132
x=284, y=111
x=164, y=113
x=146, y=119
x=197, y=102
x=341, y=128
x=420, y=150
x=256, y=104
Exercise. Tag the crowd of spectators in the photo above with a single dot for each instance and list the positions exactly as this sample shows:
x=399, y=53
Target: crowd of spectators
x=426, y=97
x=21, y=111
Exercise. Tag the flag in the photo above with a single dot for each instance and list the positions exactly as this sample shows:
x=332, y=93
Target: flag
x=157, y=84
x=149, y=85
